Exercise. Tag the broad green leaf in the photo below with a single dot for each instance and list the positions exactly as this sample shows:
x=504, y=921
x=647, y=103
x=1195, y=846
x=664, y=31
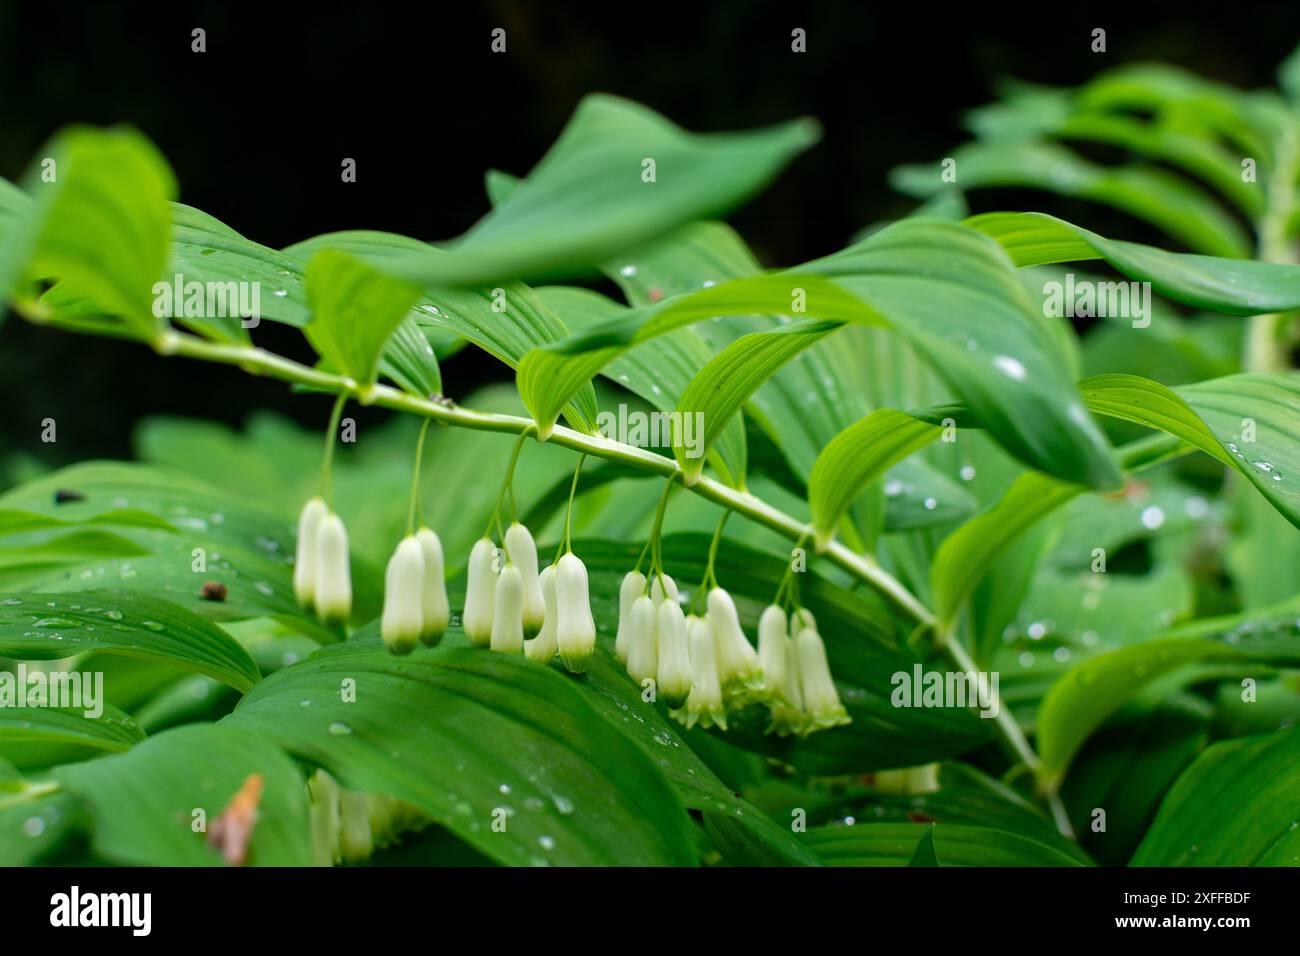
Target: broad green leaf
x=17, y=521
x=1235, y=806
x=968, y=552
x=1128, y=768
x=247, y=551
x=130, y=623
x=769, y=844
x=1172, y=204
x=36, y=825
x=1094, y=689
x=207, y=250
x=658, y=371
x=459, y=733
x=892, y=844
x=506, y=321
x=722, y=386
x=968, y=315
x=618, y=176
x=197, y=767
x=355, y=309
x=99, y=225
x=1231, y=286
x=1250, y=422
x=856, y=457
x=110, y=730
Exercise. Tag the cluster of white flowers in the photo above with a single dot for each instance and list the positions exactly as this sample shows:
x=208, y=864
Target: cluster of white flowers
x=704, y=667
x=514, y=608
x=415, y=594
x=322, y=580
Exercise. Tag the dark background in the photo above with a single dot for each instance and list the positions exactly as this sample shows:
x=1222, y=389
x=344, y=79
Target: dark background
x=257, y=126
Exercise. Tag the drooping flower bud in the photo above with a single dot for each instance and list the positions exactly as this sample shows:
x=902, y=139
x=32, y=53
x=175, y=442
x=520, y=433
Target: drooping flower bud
x=787, y=716
x=704, y=705
x=356, y=842
x=643, y=641
x=507, y=614
x=658, y=591
x=325, y=816
x=674, y=675
x=522, y=553
x=576, y=628
x=545, y=645
x=333, y=575
x=738, y=668
x=772, y=643
x=433, y=592
x=306, y=562
x=403, y=616
x=633, y=587
x=821, y=702
x=801, y=618
x=480, y=592
x=909, y=780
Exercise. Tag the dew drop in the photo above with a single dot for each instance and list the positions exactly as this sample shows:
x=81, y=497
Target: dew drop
x=339, y=729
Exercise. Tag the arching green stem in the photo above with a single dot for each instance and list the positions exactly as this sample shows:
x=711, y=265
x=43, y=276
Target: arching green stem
x=326, y=486
x=414, y=506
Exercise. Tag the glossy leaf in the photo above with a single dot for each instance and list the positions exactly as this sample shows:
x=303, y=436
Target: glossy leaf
x=1235, y=806
x=892, y=844
x=111, y=730
x=169, y=776
x=131, y=623
x=461, y=733
x=618, y=176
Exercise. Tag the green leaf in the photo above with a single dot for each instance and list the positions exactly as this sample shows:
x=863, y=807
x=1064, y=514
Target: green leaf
x=715, y=395
x=855, y=458
x=1094, y=689
x=100, y=226
x=971, y=319
x=1217, y=417
x=111, y=730
x=924, y=854
x=969, y=551
x=892, y=844
x=355, y=310
x=506, y=321
x=1235, y=806
x=589, y=198
x=247, y=551
x=130, y=623
x=657, y=371
x=459, y=733
x=17, y=521
x=1172, y=204
x=1231, y=286
x=197, y=767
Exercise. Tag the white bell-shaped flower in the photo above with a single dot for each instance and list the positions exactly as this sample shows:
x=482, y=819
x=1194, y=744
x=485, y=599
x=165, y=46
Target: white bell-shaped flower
x=772, y=645
x=704, y=704
x=738, y=667
x=545, y=645
x=801, y=618
x=576, y=628
x=908, y=780
x=662, y=586
x=787, y=716
x=306, y=562
x=821, y=702
x=333, y=574
x=633, y=587
x=480, y=592
x=508, y=612
x=403, y=617
x=674, y=674
x=643, y=641
x=433, y=591
x=521, y=551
